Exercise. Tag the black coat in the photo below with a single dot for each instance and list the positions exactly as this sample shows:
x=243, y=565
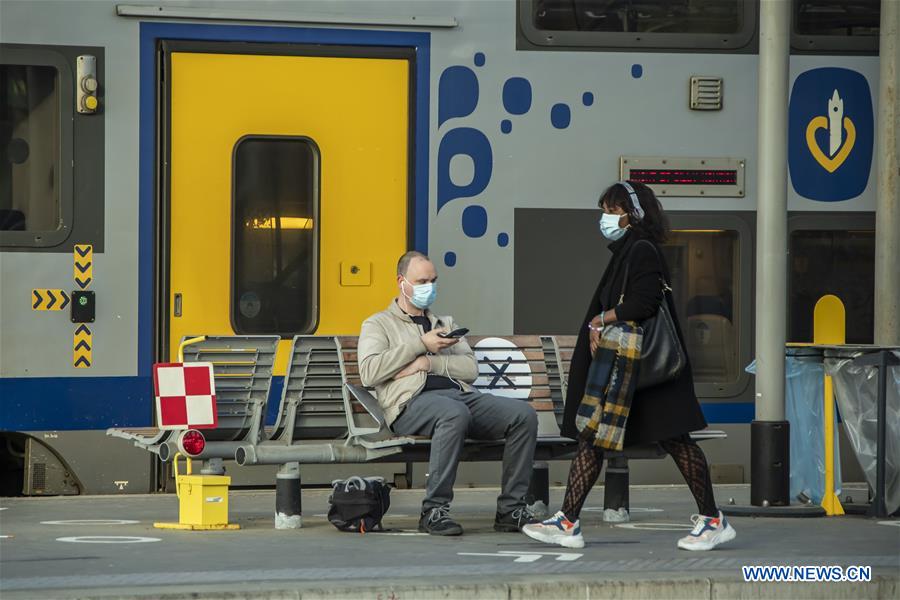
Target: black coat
x=662, y=412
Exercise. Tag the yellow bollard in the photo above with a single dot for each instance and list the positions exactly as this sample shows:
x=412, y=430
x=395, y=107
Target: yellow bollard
x=830, y=328
x=202, y=501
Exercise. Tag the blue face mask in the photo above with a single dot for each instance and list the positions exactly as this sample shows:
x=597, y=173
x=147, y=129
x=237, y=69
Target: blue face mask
x=423, y=294
x=609, y=227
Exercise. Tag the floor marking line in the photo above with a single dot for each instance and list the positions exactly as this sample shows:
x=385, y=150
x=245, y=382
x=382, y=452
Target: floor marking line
x=108, y=539
x=92, y=522
x=564, y=556
x=526, y=556
x=633, y=509
x=522, y=558
x=656, y=526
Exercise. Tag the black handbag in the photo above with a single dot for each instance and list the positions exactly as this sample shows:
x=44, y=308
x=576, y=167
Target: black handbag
x=359, y=504
x=662, y=355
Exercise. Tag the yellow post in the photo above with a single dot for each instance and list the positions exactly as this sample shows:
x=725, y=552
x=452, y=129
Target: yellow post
x=830, y=327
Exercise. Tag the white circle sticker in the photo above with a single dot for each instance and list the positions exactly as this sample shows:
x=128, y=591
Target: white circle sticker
x=656, y=526
x=92, y=522
x=108, y=539
x=503, y=369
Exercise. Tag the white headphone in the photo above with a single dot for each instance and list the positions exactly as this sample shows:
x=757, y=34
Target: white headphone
x=638, y=211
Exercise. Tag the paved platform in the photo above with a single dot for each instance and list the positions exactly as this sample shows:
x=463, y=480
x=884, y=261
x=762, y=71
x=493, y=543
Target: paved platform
x=106, y=546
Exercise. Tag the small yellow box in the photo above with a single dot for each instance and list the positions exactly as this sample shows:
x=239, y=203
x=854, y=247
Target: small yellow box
x=203, y=499
x=356, y=273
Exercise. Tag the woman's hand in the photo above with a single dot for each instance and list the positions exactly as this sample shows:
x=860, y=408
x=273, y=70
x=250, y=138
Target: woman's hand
x=596, y=325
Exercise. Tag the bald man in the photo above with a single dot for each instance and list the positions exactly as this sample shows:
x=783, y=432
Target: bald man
x=423, y=382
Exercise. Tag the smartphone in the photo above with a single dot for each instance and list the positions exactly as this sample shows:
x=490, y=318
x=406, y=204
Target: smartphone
x=456, y=333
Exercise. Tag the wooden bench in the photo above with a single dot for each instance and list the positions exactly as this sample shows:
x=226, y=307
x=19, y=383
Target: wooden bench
x=323, y=398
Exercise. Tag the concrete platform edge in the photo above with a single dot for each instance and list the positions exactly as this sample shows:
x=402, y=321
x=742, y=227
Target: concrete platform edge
x=581, y=588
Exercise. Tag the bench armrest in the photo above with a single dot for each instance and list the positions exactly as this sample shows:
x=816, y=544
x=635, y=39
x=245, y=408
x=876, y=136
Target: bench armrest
x=368, y=402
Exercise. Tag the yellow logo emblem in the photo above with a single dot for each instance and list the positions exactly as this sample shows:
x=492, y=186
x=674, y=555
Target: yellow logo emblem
x=838, y=147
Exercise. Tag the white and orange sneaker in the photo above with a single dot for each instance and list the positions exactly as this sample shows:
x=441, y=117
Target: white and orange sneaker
x=708, y=533
x=556, y=530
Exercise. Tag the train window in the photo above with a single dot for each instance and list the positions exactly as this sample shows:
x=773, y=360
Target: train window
x=275, y=235
x=657, y=16
x=29, y=148
x=832, y=262
x=689, y=24
x=705, y=284
x=836, y=25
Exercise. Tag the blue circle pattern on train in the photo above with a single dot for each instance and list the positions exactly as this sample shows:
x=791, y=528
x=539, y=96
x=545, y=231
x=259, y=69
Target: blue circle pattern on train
x=458, y=97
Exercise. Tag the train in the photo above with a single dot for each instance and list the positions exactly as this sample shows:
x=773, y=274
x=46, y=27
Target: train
x=215, y=167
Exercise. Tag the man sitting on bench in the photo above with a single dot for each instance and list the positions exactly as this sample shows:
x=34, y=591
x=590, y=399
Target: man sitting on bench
x=423, y=385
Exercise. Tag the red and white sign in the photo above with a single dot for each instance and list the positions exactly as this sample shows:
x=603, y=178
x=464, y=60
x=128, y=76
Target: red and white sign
x=185, y=395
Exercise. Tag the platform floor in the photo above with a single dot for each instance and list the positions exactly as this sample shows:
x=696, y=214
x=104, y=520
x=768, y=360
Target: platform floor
x=106, y=546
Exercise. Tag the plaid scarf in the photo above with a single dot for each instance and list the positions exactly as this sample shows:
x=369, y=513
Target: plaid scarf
x=610, y=386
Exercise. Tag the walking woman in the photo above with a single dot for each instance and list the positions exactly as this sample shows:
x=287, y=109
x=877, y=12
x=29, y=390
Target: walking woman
x=631, y=291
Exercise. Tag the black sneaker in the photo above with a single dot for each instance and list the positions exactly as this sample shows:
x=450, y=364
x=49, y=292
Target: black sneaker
x=437, y=521
x=514, y=521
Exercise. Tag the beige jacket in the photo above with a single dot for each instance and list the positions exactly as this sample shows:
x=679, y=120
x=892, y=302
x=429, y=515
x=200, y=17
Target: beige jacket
x=390, y=340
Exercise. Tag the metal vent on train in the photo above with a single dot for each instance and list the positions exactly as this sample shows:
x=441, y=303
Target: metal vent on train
x=706, y=93
x=39, y=477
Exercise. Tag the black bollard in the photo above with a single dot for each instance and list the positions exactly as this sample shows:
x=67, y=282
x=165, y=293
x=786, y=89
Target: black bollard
x=288, y=507
x=770, y=466
x=615, y=489
x=539, y=488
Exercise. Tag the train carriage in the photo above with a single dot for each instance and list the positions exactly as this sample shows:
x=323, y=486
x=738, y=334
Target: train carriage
x=256, y=168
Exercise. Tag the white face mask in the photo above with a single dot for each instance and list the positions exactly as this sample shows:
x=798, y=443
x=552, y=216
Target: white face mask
x=609, y=227
x=423, y=294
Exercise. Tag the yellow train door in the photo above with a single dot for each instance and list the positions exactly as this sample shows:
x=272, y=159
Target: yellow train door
x=288, y=189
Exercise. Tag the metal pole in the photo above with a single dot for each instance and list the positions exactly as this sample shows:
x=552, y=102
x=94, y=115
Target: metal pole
x=887, y=221
x=770, y=473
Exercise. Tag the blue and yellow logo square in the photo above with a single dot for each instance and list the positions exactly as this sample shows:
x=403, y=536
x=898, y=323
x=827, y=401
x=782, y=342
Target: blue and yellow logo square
x=831, y=134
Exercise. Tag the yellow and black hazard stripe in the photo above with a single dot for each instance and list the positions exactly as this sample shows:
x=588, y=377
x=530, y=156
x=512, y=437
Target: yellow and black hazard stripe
x=83, y=265
x=82, y=343
x=49, y=299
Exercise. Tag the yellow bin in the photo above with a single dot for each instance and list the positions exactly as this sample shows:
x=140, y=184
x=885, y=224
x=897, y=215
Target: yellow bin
x=202, y=501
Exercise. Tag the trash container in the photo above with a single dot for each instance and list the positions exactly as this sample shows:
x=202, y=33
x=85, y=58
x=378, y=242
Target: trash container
x=855, y=390
x=804, y=407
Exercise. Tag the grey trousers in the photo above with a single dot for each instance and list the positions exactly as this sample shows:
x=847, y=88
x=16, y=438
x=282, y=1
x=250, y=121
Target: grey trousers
x=448, y=417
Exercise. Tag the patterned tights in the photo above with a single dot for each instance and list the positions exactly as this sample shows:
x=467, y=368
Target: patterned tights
x=684, y=451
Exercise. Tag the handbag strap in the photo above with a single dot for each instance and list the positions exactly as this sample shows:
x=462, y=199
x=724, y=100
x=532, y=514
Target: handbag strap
x=665, y=275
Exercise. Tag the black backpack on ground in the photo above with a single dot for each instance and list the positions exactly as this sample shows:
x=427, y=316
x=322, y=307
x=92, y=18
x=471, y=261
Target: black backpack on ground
x=358, y=504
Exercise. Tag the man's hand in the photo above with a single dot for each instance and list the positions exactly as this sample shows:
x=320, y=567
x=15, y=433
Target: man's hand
x=434, y=343
x=596, y=324
x=420, y=364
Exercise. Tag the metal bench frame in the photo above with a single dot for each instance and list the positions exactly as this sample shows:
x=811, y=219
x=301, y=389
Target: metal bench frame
x=243, y=376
